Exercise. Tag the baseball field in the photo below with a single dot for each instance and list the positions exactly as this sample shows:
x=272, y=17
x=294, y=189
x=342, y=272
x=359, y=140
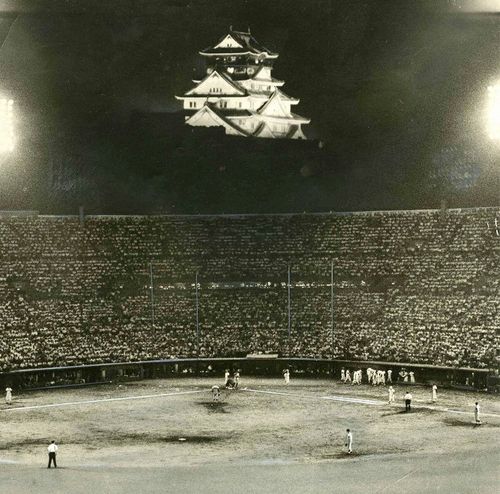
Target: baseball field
x=170, y=436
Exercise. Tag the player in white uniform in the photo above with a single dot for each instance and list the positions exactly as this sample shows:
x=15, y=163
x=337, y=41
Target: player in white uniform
x=8, y=395
x=412, y=377
x=389, y=376
x=369, y=373
x=359, y=376
x=434, y=393
x=347, y=376
x=286, y=375
x=348, y=441
x=226, y=377
x=236, y=377
x=391, y=395
x=476, y=413
x=403, y=375
x=342, y=375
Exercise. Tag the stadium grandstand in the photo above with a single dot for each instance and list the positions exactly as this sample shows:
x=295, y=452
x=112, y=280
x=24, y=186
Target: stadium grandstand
x=418, y=287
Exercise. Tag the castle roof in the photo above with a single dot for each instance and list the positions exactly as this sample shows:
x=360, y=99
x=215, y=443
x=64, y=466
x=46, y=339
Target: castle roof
x=208, y=116
x=274, y=103
x=238, y=43
x=231, y=88
x=256, y=76
x=263, y=130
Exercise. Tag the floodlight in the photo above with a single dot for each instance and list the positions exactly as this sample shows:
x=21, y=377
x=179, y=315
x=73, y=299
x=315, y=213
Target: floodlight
x=7, y=138
x=493, y=111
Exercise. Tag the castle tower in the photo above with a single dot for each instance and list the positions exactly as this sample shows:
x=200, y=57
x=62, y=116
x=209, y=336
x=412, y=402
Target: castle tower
x=239, y=92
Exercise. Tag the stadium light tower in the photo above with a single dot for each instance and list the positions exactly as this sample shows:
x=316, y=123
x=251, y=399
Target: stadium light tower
x=7, y=138
x=493, y=111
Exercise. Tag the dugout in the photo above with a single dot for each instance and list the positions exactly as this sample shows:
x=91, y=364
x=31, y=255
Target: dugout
x=261, y=365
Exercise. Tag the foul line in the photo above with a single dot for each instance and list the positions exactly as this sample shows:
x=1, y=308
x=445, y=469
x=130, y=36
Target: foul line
x=87, y=402
x=334, y=398
x=353, y=400
x=461, y=412
x=411, y=472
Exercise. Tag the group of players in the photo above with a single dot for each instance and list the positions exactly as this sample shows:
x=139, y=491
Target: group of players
x=230, y=382
x=233, y=382
x=375, y=377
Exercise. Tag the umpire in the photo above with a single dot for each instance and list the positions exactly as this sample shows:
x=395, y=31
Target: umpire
x=52, y=449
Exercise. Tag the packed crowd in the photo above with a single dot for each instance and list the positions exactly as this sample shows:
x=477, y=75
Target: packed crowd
x=408, y=287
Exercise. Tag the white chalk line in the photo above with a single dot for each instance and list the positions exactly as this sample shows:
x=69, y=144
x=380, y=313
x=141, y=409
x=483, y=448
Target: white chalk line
x=361, y=401
x=411, y=472
x=452, y=410
x=103, y=400
x=307, y=397
x=353, y=400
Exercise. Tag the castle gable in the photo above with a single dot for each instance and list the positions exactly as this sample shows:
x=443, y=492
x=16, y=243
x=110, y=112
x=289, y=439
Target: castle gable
x=208, y=117
x=228, y=42
x=216, y=84
x=275, y=107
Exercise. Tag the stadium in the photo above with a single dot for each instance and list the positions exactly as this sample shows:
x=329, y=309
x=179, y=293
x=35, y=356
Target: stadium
x=249, y=247
x=115, y=328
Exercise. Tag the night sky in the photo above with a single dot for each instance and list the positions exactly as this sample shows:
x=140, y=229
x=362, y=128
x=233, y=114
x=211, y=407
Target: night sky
x=396, y=92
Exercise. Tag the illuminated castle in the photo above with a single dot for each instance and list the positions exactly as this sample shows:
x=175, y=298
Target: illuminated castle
x=240, y=94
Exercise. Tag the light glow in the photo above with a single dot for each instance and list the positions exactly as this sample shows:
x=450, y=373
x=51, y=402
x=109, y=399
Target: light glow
x=494, y=111
x=7, y=138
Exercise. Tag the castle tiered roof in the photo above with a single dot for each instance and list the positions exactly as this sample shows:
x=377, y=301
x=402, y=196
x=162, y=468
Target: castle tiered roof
x=238, y=42
x=217, y=80
x=240, y=94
